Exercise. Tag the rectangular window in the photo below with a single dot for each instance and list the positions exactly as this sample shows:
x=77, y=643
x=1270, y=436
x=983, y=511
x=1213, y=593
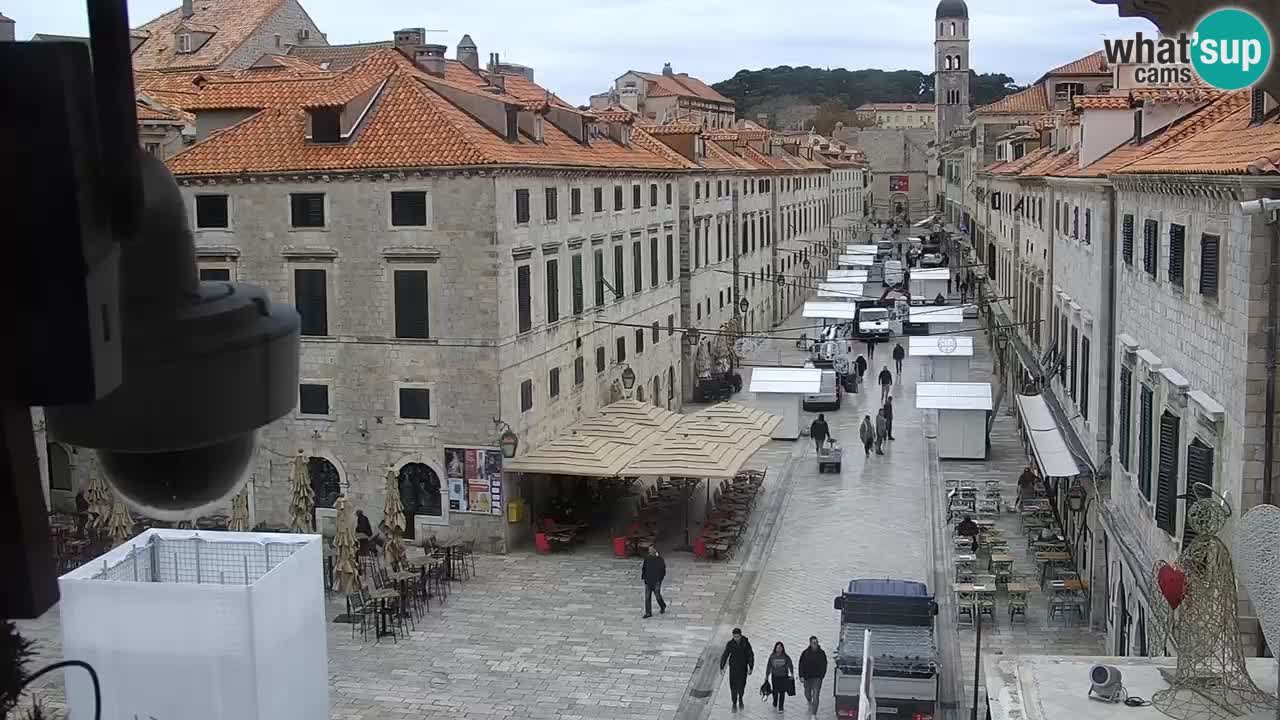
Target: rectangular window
x=1177, y=246
x=1199, y=470
x=1075, y=222
x=215, y=274
x=668, y=193
x=524, y=304
x=553, y=203
x=526, y=396
x=671, y=258
x=697, y=191
x=657, y=332
x=412, y=304
x=1150, y=246
x=1144, y=441
x=618, y=272
x=409, y=208
x=307, y=210
x=639, y=342
x=597, y=200
x=637, y=266
x=1126, y=241
x=1088, y=226
x=1126, y=409
x=313, y=399
x=522, y=206
x=671, y=325
x=1062, y=333
x=211, y=211
x=311, y=294
x=1209, y=265
x=553, y=383
x=653, y=195
x=621, y=349
x=653, y=261
x=579, y=371
x=1075, y=333
x=617, y=198
x=1167, y=480
x=635, y=197
x=1084, y=378
x=553, y=290
x=576, y=266
x=575, y=201
x=415, y=403
x=600, y=360
x=597, y=257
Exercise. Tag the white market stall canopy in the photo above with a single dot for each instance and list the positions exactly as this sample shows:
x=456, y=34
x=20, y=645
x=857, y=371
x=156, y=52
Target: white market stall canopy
x=936, y=314
x=837, y=310
x=931, y=274
x=861, y=249
x=630, y=438
x=857, y=260
x=845, y=290
x=800, y=381
x=941, y=345
x=953, y=396
x=854, y=275
x=1050, y=447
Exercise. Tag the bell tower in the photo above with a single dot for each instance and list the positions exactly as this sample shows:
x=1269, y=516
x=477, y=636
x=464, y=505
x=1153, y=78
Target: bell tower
x=951, y=66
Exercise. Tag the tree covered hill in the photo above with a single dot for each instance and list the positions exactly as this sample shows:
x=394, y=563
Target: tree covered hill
x=771, y=90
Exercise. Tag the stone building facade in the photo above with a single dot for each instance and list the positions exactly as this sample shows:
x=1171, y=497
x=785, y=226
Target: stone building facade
x=668, y=97
x=897, y=115
x=898, y=169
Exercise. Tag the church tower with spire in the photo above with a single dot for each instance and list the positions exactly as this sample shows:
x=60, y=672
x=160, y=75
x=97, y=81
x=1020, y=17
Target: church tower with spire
x=951, y=66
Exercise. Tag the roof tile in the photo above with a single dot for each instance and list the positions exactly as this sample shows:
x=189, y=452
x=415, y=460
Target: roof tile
x=1024, y=102
x=230, y=21
x=1222, y=140
x=1102, y=102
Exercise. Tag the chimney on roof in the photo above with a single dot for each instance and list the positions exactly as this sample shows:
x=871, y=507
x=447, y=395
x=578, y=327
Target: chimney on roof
x=499, y=82
x=407, y=39
x=493, y=64
x=666, y=69
x=430, y=59
x=188, y=8
x=468, y=53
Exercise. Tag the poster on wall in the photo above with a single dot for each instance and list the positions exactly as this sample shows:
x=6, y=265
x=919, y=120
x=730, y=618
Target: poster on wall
x=899, y=183
x=475, y=480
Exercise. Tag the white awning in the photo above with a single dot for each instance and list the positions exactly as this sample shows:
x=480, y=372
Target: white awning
x=834, y=310
x=941, y=346
x=857, y=260
x=931, y=274
x=842, y=290
x=927, y=221
x=953, y=396
x=861, y=249
x=1052, y=454
x=854, y=275
x=799, y=381
x=936, y=314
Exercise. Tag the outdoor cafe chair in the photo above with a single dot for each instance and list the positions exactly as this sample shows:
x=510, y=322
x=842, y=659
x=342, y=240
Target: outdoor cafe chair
x=1017, y=606
x=359, y=612
x=966, y=607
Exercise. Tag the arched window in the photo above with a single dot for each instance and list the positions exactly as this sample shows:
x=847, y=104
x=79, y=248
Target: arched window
x=941, y=30
x=953, y=29
x=959, y=65
x=947, y=62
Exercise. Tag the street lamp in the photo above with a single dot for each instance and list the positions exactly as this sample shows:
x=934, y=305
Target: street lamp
x=508, y=442
x=1076, y=497
x=628, y=378
x=743, y=306
x=692, y=336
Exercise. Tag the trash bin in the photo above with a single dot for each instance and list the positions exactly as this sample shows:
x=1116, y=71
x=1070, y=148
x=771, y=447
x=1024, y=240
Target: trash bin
x=620, y=547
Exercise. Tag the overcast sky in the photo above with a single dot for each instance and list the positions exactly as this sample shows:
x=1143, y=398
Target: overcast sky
x=577, y=47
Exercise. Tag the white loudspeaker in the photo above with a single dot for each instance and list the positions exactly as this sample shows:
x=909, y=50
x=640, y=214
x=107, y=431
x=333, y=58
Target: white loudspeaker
x=1105, y=683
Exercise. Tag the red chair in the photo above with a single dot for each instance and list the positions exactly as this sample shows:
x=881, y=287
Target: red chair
x=620, y=547
x=700, y=547
x=541, y=543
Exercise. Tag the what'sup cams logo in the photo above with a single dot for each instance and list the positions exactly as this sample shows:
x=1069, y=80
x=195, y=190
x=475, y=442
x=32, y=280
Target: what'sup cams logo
x=1230, y=49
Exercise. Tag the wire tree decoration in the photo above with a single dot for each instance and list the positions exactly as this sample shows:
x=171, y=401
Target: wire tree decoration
x=119, y=523
x=346, y=576
x=239, y=521
x=302, y=502
x=1211, y=681
x=99, y=498
x=393, y=521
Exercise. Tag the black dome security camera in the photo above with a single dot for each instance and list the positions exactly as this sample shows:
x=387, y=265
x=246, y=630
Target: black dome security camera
x=204, y=365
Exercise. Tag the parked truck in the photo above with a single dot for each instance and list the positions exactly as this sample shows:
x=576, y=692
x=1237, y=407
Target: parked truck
x=905, y=672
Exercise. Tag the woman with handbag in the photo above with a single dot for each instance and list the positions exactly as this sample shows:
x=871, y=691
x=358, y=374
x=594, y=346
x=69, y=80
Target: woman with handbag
x=781, y=675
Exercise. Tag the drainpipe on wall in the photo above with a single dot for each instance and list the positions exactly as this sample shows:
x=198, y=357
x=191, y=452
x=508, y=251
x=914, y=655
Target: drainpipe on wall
x=1110, y=302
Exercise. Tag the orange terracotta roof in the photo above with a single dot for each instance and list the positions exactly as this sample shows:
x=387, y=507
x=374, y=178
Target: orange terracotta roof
x=337, y=57
x=1014, y=167
x=1048, y=162
x=1073, y=118
x=1102, y=102
x=230, y=21
x=680, y=85
x=719, y=158
x=1031, y=101
x=156, y=113
x=720, y=134
x=1193, y=94
x=410, y=124
x=642, y=139
x=614, y=115
x=1091, y=64
x=675, y=128
x=271, y=62
x=1221, y=140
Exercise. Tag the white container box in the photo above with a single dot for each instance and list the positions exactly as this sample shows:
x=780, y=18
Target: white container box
x=200, y=625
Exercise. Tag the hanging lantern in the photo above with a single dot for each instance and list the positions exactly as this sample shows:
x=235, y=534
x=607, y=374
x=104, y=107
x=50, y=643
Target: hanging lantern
x=692, y=336
x=508, y=443
x=1076, y=497
x=781, y=280
x=805, y=263
x=628, y=378
x=744, y=305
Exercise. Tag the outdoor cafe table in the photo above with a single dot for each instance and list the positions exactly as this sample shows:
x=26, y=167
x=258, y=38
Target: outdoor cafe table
x=971, y=588
x=1044, y=559
x=382, y=597
x=999, y=558
x=1017, y=587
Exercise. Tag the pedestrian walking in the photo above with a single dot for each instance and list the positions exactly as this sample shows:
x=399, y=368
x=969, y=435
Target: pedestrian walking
x=861, y=365
x=653, y=571
x=948, y=284
x=781, y=675
x=867, y=434
x=741, y=660
x=812, y=670
x=886, y=383
x=882, y=432
x=1026, y=484
x=968, y=528
x=819, y=432
x=888, y=417
x=898, y=355
x=871, y=350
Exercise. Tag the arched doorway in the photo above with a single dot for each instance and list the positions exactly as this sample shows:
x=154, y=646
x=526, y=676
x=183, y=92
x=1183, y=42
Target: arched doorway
x=326, y=483
x=639, y=393
x=59, y=467
x=420, y=493
x=657, y=396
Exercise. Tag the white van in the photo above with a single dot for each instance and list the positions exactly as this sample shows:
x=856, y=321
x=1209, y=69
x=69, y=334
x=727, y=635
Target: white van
x=828, y=397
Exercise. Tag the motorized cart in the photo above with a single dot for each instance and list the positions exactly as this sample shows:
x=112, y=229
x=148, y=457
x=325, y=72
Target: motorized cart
x=830, y=457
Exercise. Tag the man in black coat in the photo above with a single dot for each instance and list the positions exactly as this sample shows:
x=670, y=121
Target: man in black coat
x=886, y=383
x=741, y=660
x=813, y=668
x=819, y=431
x=888, y=417
x=652, y=572
x=898, y=355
